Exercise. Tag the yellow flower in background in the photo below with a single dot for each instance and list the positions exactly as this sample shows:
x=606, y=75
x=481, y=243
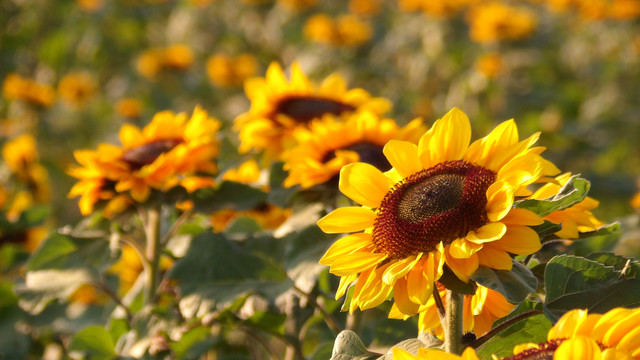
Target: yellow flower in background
x=479, y=312
x=169, y=151
x=494, y=21
x=77, y=88
x=365, y=7
x=175, y=57
x=624, y=9
x=21, y=156
x=226, y=71
x=345, y=30
x=444, y=201
x=97, y=173
x=129, y=107
x=90, y=5
x=279, y=106
x=579, y=335
x=298, y=5
x=435, y=8
x=129, y=267
x=574, y=220
x=433, y=354
x=490, y=65
x=268, y=216
x=15, y=87
x=330, y=143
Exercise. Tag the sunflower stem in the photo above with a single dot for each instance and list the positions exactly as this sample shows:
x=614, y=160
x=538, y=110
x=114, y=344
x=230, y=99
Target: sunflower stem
x=152, y=231
x=453, y=323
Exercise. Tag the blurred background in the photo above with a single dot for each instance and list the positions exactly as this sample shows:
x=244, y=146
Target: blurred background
x=73, y=72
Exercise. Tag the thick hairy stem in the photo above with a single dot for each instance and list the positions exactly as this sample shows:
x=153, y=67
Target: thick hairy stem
x=453, y=323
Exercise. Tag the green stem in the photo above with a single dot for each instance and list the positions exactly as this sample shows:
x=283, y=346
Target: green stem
x=453, y=323
x=152, y=231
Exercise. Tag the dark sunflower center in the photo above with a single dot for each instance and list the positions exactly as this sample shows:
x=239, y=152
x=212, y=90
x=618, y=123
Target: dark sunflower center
x=306, y=108
x=442, y=203
x=368, y=152
x=148, y=153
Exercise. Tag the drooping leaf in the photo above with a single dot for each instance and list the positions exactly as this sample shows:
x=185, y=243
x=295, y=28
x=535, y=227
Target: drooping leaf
x=530, y=330
x=451, y=282
x=574, y=191
x=515, y=285
x=217, y=271
x=95, y=341
x=270, y=322
x=61, y=251
x=598, y=284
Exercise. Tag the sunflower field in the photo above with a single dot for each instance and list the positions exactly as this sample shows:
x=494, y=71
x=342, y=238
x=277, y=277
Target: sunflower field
x=321, y=180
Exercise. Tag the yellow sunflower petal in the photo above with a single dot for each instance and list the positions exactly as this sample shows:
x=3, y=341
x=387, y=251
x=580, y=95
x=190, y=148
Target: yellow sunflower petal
x=448, y=139
x=399, y=269
x=419, y=286
x=494, y=258
x=462, y=268
x=364, y=184
x=481, y=151
x=347, y=219
x=487, y=233
x=615, y=354
x=522, y=217
x=463, y=249
x=566, y=325
x=607, y=320
x=402, y=299
x=356, y=262
x=399, y=354
x=621, y=328
x=403, y=156
x=345, y=246
x=345, y=283
x=630, y=343
x=579, y=348
x=520, y=240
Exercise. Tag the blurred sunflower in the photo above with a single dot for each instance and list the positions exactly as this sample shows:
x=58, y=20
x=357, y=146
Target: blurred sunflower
x=329, y=144
x=15, y=87
x=444, y=201
x=574, y=220
x=129, y=267
x=365, y=7
x=268, y=216
x=77, y=88
x=345, y=30
x=278, y=106
x=579, y=335
x=129, y=107
x=480, y=311
x=97, y=173
x=495, y=21
x=226, y=71
x=433, y=354
x=173, y=150
x=21, y=156
x=436, y=8
x=175, y=57
x=490, y=65
x=298, y=5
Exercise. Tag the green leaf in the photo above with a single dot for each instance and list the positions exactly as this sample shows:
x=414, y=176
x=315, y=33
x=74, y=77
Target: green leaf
x=547, y=230
x=95, y=341
x=185, y=347
x=533, y=329
x=515, y=285
x=270, y=322
x=451, y=282
x=303, y=251
x=349, y=347
x=228, y=195
x=52, y=252
x=61, y=251
x=574, y=191
x=217, y=271
x=598, y=285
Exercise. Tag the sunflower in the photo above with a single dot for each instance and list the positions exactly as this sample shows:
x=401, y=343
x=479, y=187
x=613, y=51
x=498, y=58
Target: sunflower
x=97, y=173
x=433, y=354
x=77, y=88
x=444, y=201
x=21, y=156
x=278, y=106
x=495, y=21
x=575, y=219
x=329, y=144
x=480, y=311
x=15, y=87
x=268, y=216
x=579, y=335
x=227, y=71
x=168, y=152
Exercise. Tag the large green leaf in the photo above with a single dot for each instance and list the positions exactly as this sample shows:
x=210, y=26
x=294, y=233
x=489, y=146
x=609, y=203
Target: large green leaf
x=61, y=251
x=530, y=330
x=95, y=341
x=598, y=284
x=228, y=195
x=216, y=271
x=515, y=285
x=574, y=191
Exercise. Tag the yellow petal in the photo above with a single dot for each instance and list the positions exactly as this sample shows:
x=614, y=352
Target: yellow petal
x=463, y=249
x=419, y=287
x=522, y=217
x=403, y=156
x=448, y=139
x=399, y=354
x=609, y=319
x=399, y=269
x=355, y=263
x=462, y=268
x=402, y=300
x=520, y=240
x=482, y=151
x=345, y=246
x=621, y=328
x=494, y=258
x=487, y=233
x=347, y=219
x=579, y=348
x=364, y=184
x=630, y=343
x=566, y=325
x=345, y=283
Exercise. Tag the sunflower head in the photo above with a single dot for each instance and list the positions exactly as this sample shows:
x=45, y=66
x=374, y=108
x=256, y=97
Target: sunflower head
x=279, y=106
x=445, y=201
